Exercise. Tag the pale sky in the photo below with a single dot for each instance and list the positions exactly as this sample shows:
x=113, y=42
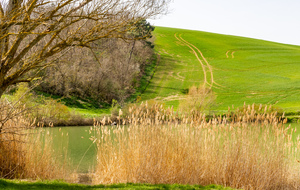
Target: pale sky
x=273, y=20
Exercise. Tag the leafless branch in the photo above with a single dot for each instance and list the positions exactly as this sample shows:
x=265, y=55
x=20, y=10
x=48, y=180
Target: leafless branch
x=34, y=31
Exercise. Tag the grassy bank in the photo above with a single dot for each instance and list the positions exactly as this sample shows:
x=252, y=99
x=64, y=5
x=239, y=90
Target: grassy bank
x=87, y=108
x=238, y=69
x=48, y=110
x=57, y=185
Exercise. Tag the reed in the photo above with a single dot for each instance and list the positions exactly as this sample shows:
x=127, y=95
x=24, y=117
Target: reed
x=24, y=152
x=244, y=149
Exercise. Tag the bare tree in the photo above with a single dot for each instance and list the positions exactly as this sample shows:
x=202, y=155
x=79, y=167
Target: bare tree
x=34, y=33
x=79, y=73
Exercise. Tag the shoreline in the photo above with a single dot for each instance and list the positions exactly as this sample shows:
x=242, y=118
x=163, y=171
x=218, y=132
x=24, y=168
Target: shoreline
x=81, y=122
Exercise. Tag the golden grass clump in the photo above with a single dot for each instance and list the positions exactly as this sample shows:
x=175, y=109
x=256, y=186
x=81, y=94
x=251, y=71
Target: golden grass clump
x=243, y=151
x=24, y=152
x=198, y=99
x=149, y=112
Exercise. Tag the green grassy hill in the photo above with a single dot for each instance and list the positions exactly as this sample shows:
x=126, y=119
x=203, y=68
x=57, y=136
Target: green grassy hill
x=238, y=69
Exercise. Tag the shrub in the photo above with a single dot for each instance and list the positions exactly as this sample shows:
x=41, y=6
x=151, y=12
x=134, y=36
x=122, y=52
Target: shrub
x=199, y=99
x=114, y=110
x=44, y=110
x=51, y=110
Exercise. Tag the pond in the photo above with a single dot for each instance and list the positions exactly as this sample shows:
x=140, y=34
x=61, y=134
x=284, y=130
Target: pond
x=81, y=152
x=76, y=144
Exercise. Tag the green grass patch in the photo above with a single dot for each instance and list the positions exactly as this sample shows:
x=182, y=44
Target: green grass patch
x=57, y=185
x=87, y=108
x=91, y=113
x=76, y=102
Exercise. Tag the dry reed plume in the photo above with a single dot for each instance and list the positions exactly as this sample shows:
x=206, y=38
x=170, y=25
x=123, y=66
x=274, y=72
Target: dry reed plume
x=248, y=149
x=198, y=99
x=25, y=153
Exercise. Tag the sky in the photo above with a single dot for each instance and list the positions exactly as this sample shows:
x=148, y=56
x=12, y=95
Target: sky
x=272, y=20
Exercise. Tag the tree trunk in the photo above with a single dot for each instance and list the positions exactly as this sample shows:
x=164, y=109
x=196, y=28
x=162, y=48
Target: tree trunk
x=2, y=85
x=2, y=91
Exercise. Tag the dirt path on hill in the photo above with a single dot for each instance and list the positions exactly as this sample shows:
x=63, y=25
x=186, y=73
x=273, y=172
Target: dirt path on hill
x=179, y=76
x=171, y=98
x=232, y=56
x=227, y=54
x=176, y=76
x=207, y=64
x=196, y=51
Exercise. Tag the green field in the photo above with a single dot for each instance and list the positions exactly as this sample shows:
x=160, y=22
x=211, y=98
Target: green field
x=238, y=69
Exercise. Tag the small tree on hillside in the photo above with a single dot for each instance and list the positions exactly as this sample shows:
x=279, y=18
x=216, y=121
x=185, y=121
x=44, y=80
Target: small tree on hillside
x=34, y=33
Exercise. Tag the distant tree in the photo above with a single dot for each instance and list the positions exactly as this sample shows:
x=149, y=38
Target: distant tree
x=143, y=28
x=35, y=33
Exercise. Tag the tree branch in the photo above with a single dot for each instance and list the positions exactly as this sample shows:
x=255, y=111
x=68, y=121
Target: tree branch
x=33, y=31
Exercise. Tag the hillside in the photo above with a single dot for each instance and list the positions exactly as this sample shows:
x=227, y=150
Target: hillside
x=238, y=69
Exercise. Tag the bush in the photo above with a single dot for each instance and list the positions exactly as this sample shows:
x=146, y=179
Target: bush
x=199, y=100
x=44, y=110
x=51, y=110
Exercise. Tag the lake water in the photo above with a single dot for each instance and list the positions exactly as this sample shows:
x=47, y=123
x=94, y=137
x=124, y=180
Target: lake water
x=75, y=141
x=80, y=149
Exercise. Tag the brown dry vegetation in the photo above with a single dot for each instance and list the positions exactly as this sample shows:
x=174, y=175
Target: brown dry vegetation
x=23, y=152
x=198, y=99
x=36, y=33
x=249, y=150
x=113, y=75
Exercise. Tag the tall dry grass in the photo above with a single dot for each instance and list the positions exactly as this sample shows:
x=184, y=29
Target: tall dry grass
x=198, y=99
x=24, y=152
x=247, y=150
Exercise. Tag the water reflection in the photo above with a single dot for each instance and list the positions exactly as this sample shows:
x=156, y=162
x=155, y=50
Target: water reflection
x=76, y=143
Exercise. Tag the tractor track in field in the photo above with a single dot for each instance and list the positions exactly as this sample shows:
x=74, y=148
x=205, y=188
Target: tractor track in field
x=201, y=60
x=232, y=54
x=176, y=76
x=195, y=53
